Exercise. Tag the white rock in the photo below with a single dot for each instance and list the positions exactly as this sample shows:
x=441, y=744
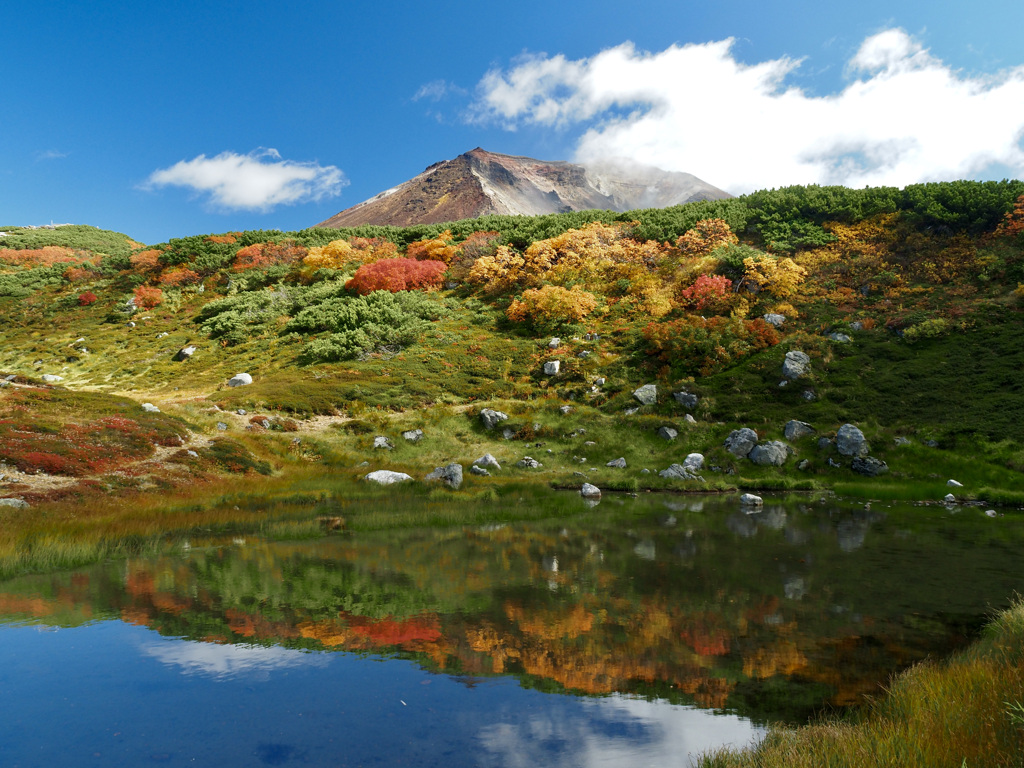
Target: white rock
x=950, y=498
x=954, y=484
x=240, y=380
x=387, y=477
x=150, y=408
x=750, y=500
x=590, y=491
x=487, y=460
x=552, y=367
x=50, y=378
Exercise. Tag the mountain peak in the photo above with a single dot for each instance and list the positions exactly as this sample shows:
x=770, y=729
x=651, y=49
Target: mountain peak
x=480, y=183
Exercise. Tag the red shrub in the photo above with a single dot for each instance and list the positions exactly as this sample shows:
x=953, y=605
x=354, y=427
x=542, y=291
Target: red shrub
x=147, y=298
x=79, y=274
x=87, y=298
x=397, y=275
x=706, y=291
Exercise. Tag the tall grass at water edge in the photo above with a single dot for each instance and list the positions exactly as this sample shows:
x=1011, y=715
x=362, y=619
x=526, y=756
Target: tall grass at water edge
x=964, y=712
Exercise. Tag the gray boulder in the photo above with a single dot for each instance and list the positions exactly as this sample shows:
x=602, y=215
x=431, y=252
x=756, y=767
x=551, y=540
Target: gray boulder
x=750, y=500
x=741, y=442
x=589, y=491
x=15, y=503
x=240, y=380
x=222, y=426
x=528, y=462
x=150, y=408
x=840, y=338
x=689, y=419
x=850, y=441
x=555, y=343
x=773, y=318
x=770, y=454
x=185, y=353
x=667, y=433
x=382, y=442
x=686, y=399
x=387, y=477
x=475, y=470
x=619, y=463
x=954, y=484
x=869, y=466
x=490, y=418
x=565, y=410
x=647, y=394
x=794, y=429
x=450, y=475
x=487, y=461
x=552, y=367
x=413, y=435
x=694, y=462
x=50, y=378
x=796, y=364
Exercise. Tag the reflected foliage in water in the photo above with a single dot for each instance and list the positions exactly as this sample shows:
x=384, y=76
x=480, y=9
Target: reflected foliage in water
x=807, y=605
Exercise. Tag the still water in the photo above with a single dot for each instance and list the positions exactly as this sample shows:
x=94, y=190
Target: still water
x=638, y=633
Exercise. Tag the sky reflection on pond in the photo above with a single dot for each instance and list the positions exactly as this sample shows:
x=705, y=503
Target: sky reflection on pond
x=114, y=694
x=638, y=632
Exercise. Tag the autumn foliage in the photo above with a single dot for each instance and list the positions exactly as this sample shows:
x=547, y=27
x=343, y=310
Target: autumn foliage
x=550, y=305
x=339, y=254
x=40, y=257
x=87, y=298
x=146, y=261
x=147, y=298
x=178, y=276
x=439, y=248
x=706, y=236
x=396, y=275
x=707, y=292
x=261, y=255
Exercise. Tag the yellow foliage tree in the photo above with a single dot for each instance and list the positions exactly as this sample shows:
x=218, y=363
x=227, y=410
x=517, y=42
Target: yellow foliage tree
x=439, y=248
x=552, y=305
x=706, y=235
x=498, y=272
x=339, y=254
x=780, y=277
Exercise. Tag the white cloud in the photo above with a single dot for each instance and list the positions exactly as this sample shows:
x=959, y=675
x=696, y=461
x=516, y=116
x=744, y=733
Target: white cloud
x=259, y=180
x=436, y=90
x=51, y=154
x=904, y=116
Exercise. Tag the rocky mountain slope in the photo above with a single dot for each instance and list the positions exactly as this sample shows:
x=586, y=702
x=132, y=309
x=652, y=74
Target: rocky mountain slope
x=480, y=183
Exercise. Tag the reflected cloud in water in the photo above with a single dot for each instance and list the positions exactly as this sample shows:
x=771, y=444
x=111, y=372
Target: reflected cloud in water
x=620, y=732
x=224, y=662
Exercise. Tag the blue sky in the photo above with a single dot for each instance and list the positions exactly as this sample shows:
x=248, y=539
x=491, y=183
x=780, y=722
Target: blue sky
x=168, y=119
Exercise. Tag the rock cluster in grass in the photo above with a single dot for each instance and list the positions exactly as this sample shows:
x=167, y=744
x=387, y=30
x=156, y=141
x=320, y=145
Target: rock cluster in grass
x=647, y=394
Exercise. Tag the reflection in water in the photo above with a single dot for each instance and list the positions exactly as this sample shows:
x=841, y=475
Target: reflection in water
x=224, y=661
x=619, y=732
x=677, y=617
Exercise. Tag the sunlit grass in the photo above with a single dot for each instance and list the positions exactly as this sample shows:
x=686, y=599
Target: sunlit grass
x=964, y=711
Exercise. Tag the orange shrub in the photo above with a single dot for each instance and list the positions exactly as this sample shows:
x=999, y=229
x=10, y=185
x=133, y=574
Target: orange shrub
x=147, y=298
x=42, y=257
x=396, y=275
x=439, y=248
x=79, y=274
x=146, y=261
x=268, y=254
x=179, y=276
x=87, y=298
x=227, y=239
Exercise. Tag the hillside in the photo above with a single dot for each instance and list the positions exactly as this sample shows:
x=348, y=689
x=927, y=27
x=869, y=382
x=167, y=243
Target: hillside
x=905, y=303
x=480, y=183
